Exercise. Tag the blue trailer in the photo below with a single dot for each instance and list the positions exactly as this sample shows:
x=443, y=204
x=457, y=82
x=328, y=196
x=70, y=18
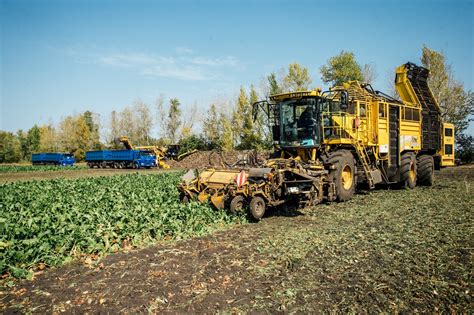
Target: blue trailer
x=63, y=159
x=121, y=159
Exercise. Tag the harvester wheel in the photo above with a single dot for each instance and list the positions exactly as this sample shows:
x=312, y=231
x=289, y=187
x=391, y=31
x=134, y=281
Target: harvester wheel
x=408, y=170
x=257, y=207
x=343, y=174
x=425, y=170
x=237, y=204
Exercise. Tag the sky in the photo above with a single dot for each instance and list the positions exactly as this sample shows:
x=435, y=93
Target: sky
x=64, y=57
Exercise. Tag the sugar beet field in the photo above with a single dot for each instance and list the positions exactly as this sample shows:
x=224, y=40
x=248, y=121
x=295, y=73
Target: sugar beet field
x=124, y=243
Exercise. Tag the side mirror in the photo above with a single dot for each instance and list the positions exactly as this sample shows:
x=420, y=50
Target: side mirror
x=344, y=100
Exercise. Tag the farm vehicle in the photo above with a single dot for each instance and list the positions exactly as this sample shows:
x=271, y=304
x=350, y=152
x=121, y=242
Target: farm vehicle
x=162, y=153
x=327, y=143
x=121, y=159
x=62, y=159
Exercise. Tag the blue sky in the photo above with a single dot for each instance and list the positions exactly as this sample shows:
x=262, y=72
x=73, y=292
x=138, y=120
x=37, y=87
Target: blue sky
x=64, y=57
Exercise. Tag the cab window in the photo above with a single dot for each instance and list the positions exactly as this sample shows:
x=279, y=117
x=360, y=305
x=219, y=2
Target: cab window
x=362, y=110
x=382, y=112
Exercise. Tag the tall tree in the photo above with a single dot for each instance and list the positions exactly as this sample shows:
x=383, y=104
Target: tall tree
x=297, y=78
x=341, y=68
x=188, y=121
x=227, y=137
x=457, y=104
x=274, y=86
x=48, y=136
x=144, y=123
x=238, y=115
x=10, y=148
x=25, y=151
x=368, y=73
x=161, y=121
x=34, y=139
x=211, y=126
x=91, y=121
x=114, y=129
x=174, y=120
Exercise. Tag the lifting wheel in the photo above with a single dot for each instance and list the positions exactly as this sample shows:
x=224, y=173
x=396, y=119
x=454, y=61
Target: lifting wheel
x=237, y=204
x=257, y=207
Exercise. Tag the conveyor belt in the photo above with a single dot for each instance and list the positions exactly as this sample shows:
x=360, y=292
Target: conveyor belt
x=431, y=118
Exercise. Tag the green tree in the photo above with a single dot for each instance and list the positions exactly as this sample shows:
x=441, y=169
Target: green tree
x=465, y=148
x=341, y=68
x=93, y=126
x=144, y=123
x=297, y=78
x=48, y=136
x=211, y=127
x=10, y=148
x=24, y=145
x=238, y=115
x=34, y=139
x=457, y=104
x=227, y=137
x=174, y=120
x=274, y=86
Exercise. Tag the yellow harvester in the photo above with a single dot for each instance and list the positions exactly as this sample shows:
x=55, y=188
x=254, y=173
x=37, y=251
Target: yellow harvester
x=326, y=143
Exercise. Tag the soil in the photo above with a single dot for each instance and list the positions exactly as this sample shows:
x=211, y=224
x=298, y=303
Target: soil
x=385, y=251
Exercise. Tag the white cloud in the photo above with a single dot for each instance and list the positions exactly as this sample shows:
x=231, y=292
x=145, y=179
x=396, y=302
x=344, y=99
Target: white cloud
x=183, y=50
x=181, y=66
x=225, y=61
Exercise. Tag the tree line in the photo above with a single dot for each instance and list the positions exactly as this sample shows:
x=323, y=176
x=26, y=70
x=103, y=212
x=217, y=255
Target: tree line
x=227, y=124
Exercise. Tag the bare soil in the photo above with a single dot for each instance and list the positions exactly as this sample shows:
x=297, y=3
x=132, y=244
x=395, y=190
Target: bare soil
x=383, y=251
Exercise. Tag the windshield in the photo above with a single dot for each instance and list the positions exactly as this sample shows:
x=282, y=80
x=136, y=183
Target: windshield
x=298, y=123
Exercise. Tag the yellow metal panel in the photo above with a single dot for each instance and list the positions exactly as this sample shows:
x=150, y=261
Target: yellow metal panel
x=218, y=176
x=404, y=88
x=447, y=159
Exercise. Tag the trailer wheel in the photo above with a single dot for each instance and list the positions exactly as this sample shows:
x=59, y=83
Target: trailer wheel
x=425, y=170
x=237, y=204
x=408, y=171
x=343, y=174
x=257, y=207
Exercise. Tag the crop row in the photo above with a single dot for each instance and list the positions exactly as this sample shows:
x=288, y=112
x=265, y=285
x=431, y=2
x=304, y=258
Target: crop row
x=52, y=221
x=37, y=168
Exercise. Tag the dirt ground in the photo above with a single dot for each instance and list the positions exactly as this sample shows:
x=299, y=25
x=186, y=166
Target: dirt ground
x=387, y=250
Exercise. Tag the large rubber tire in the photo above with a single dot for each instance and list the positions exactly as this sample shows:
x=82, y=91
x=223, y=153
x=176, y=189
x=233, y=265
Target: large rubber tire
x=425, y=170
x=343, y=174
x=408, y=171
x=237, y=204
x=257, y=207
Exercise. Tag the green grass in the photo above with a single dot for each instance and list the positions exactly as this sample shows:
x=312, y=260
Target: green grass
x=52, y=221
x=38, y=168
